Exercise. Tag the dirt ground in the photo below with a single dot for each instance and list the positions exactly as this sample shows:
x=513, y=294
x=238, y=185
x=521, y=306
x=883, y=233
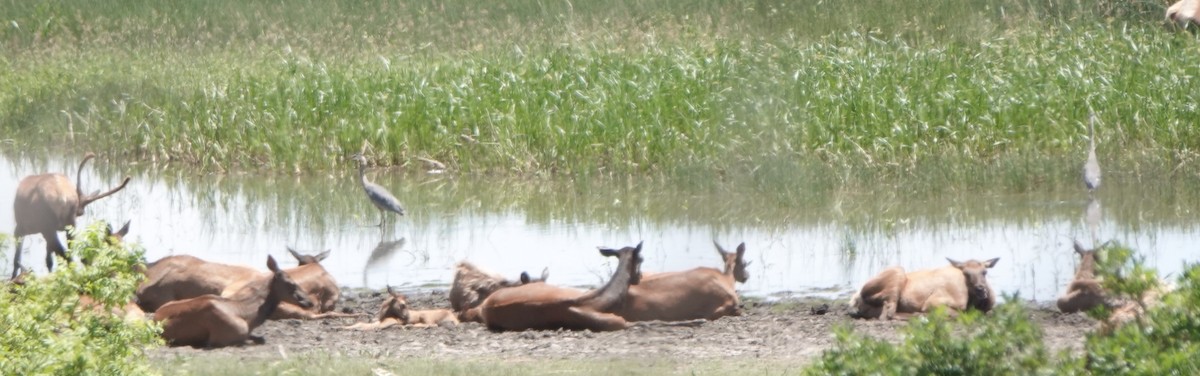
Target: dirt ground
x=785, y=330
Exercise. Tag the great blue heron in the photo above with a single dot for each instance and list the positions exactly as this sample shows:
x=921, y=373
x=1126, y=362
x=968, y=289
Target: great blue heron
x=378, y=195
x=1091, y=168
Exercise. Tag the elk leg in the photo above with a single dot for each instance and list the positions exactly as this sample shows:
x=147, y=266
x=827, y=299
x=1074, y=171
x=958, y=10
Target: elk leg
x=53, y=247
x=599, y=321
x=17, y=258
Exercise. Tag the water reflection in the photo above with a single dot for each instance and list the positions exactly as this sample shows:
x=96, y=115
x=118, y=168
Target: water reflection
x=826, y=242
x=380, y=257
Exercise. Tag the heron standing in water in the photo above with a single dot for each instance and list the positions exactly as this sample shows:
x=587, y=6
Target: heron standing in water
x=378, y=195
x=1091, y=168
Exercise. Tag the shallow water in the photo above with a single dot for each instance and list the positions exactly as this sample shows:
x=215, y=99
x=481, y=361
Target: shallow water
x=820, y=244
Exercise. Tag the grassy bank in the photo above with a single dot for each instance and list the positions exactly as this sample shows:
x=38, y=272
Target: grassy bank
x=990, y=92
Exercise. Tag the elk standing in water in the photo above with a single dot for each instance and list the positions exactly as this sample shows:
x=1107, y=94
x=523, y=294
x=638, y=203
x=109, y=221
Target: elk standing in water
x=700, y=293
x=217, y=321
x=395, y=311
x=543, y=307
x=472, y=285
x=958, y=286
x=48, y=203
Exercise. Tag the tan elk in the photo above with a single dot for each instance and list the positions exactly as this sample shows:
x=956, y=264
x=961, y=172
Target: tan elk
x=182, y=277
x=218, y=321
x=48, y=203
x=700, y=293
x=543, y=307
x=395, y=311
x=1184, y=13
x=472, y=285
x=957, y=287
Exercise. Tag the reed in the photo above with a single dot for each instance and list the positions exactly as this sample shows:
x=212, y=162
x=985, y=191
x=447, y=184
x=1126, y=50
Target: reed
x=978, y=92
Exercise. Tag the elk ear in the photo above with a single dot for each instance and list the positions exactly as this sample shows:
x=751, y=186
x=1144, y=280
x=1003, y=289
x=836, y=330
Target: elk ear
x=321, y=256
x=638, y=250
x=720, y=250
x=294, y=253
x=123, y=231
x=741, y=250
x=524, y=277
x=271, y=265
x=607, y=252
x=1079, y=248
x=956, y=264
x=391, y=291
x=991, y=263
x=545, y=274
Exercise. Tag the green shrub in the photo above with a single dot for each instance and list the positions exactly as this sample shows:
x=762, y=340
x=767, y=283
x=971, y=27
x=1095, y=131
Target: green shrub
x=48, y=333
x=1166, y=340
x=1004, y=342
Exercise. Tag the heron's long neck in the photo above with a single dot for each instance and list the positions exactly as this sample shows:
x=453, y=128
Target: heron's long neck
x=362, y=174
x=1091, y=136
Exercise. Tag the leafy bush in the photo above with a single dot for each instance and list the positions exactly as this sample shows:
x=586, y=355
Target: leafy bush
x=1166, y=340
x=48, y=332
x=1005, y=342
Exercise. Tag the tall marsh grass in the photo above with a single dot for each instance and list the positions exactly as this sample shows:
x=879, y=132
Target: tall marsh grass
x=978, y=91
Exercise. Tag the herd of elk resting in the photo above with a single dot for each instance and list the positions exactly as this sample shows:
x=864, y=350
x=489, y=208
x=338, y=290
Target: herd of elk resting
x=207, y=304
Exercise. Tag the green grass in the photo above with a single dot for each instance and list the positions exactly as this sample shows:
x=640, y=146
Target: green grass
x=333, y=364
x=987, y=92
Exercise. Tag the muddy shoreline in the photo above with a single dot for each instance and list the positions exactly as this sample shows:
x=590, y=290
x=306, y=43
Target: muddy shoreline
x=790, y=330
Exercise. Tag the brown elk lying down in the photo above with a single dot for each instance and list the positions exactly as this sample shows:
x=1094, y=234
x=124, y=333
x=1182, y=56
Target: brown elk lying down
x=1184, y=13
x=472, y=285
x=395, y=311
x=46, y=204
x=182, y=277
x=129, y=312
x=700, y=293
x=1085, y=291
x=218, y=321
x=958, y=286
x=543, y=307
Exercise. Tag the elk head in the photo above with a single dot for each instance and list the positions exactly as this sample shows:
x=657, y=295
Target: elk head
x=976, y=275
x=285, y=287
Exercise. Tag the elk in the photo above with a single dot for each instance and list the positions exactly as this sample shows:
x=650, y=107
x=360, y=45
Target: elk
x=395, y=311
x=700, y=293
x=957, y=287
x=1184, y=13
x=1085, y=291
x=48, y=203
x=182, y=277
x=543, y=307
x=472, y=285
x=218, y=321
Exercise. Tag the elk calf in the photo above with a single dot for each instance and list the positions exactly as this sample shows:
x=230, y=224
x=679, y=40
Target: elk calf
x=395, y=311
x=1085, y=291
x=959, y=286
x=217, y=321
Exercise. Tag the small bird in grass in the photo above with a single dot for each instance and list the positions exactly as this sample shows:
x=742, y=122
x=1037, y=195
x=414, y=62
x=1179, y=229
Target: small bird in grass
x=378, y=195
x=1091, y=168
